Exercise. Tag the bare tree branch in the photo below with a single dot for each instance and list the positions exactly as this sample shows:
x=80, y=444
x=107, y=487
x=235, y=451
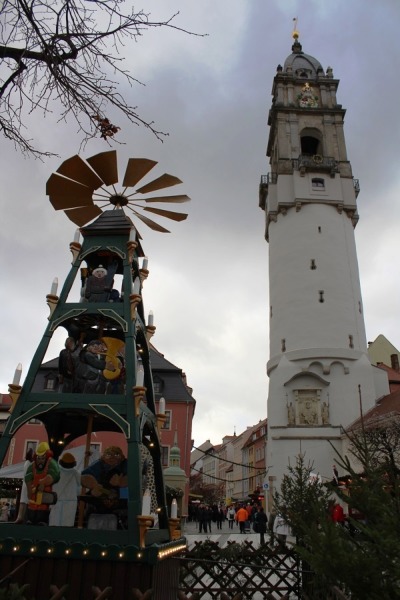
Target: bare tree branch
x=70, y=51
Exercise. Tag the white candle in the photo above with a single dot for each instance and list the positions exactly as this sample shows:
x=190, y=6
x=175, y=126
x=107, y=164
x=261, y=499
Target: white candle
x=17, y=374
x=146, y=504
x=161, y=406
x=139, y=376
x=145, y=263
x=174, y=509
x=136, y=286
x=77, y=235
x=54, y=287
x=151, y=318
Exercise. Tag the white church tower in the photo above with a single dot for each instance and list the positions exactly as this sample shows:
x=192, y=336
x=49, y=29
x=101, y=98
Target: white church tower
x=320, y=374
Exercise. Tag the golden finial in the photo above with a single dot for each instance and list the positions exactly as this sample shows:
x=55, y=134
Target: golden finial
x=295, y=33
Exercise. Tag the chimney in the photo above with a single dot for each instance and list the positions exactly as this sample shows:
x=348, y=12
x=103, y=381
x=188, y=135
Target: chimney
x=394, y=358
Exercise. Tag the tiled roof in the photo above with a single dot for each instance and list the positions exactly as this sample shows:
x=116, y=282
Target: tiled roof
x=394, y=376
x=386, y=408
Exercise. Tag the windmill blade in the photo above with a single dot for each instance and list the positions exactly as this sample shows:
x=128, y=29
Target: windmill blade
x=105, y=165
x=172, y=199
x=164, y=181
x=169, y=214
x=81, y=216
x=75, y=168
x=152, y=224
x=136, y=169
x=65, y=193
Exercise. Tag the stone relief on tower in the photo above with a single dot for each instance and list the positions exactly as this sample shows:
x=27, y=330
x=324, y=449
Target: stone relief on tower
x=308, y=409
x=307, y=98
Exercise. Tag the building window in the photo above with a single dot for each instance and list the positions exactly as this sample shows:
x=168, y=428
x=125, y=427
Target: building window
x=95, y=448
x=165, y=456
x=30, y=445
x=318, y=183
x=158, y=385
x=50, y=383
x=321, y=296
x=313, y=266
x=262, y=432
x=167, y=422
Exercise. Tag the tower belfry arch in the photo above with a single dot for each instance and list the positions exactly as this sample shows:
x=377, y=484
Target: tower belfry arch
x=318, y=349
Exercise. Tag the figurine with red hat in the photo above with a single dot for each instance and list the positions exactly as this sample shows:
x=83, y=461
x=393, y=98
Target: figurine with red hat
x=39, y=479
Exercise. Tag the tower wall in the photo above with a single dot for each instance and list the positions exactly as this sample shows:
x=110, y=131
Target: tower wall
x=320, y=375
x=315, y=295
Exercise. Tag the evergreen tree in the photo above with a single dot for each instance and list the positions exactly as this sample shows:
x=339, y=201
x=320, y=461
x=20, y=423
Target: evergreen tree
x=363, y=558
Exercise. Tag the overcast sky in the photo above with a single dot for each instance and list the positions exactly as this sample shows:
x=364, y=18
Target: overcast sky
x=208, y=282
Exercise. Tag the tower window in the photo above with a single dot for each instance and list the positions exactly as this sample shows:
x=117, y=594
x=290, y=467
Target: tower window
x=321, y=296
x=283, y=345
x=318, y=183
x=319, y=229
x=310, y=145
x=313, y=266
x=270, y=312
x=351, y=343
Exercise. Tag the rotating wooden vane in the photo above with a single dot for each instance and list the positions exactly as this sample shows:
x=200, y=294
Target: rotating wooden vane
x=77, y=185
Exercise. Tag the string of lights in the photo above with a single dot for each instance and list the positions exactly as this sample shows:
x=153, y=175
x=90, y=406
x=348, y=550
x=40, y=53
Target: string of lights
x=231, y=462
x=226, y=480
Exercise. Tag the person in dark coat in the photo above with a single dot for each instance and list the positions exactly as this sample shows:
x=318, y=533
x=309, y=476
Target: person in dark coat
x=260, y=522
x=220, y=517
x=209, y=518
x=202, y=518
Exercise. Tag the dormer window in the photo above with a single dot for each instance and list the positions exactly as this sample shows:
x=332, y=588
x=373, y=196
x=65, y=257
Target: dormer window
x=50, y=383
x=158, y=385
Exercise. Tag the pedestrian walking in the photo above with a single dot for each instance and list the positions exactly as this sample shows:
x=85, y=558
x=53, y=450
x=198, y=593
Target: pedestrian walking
x=271, y=521
x=241, y=517
x=202, y=519
x=220, y=517
x=231, y=516
x=260, y=524
x=209, y=514
x=281, y=530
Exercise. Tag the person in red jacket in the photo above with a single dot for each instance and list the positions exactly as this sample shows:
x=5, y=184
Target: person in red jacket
x=336, y=513
x=241, y=517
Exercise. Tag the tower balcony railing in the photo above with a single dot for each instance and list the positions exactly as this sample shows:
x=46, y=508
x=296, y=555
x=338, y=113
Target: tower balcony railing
x=263, y=190
x=315, y=162
x=356, y=184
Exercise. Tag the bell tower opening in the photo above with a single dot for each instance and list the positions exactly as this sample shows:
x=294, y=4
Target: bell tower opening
x=310, y=145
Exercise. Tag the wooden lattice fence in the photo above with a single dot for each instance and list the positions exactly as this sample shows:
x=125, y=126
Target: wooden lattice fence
x=208, y=570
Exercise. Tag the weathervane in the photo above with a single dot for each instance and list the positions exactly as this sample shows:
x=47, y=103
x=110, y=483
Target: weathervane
x=295, y=33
